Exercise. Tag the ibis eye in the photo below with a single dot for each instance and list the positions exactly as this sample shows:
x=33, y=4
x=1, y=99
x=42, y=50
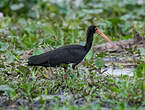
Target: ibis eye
x=96, y=28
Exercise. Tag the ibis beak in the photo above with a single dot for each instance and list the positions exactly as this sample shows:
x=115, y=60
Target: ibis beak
x=105, y=37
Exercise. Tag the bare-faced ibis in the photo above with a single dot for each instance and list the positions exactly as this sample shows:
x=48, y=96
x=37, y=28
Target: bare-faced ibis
x=67, y=54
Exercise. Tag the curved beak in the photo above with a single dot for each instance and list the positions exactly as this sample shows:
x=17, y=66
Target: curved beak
x=104, y=36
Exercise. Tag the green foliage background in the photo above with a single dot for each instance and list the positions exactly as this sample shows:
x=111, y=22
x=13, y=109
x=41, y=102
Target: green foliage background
x=37, y=24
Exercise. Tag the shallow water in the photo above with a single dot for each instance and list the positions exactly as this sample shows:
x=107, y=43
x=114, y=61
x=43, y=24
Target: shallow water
x=118, y=66
x=119, y=71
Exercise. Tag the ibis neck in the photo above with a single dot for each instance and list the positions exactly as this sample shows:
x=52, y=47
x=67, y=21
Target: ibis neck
x=89, y=41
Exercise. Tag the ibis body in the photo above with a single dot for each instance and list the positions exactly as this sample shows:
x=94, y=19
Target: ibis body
x=66, y=54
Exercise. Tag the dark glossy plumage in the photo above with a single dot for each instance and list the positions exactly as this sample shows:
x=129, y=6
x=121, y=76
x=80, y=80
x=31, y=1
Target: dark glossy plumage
x=64, y=55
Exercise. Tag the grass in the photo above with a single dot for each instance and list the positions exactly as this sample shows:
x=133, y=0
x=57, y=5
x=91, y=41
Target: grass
x=58, y=24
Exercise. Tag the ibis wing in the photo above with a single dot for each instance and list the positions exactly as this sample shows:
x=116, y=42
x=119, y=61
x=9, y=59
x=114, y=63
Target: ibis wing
x=67, y=54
